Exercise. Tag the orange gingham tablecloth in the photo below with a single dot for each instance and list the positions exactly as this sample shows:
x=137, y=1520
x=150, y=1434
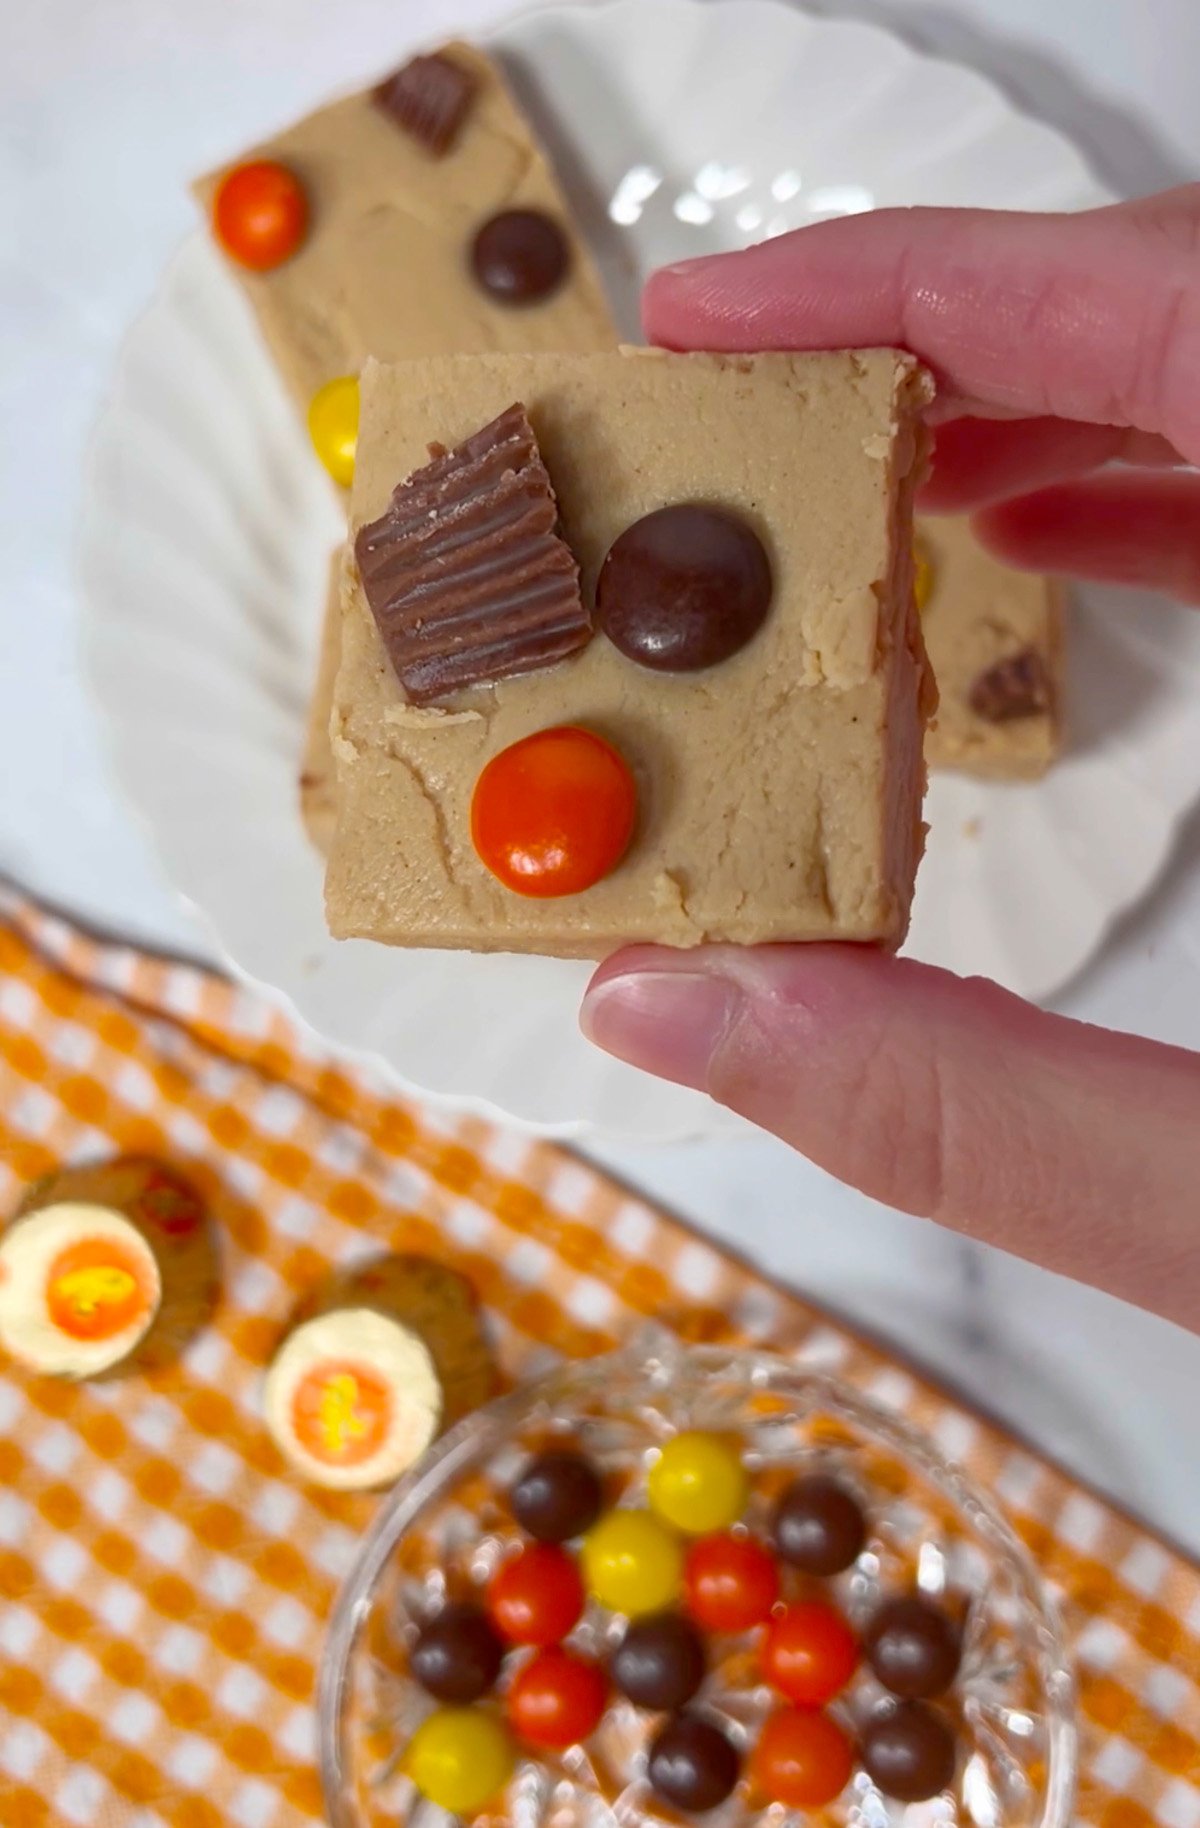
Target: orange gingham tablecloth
x=164, y=1583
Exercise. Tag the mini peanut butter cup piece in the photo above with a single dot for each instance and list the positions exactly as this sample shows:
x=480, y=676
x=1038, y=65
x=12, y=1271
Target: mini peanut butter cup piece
x=428, y=98
x=465, y=572
x=520, y=256
x=1019, y=686
x=684, y=588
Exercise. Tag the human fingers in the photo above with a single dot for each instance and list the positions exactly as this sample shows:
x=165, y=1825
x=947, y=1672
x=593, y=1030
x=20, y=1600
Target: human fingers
x=947, y=1097
x=977, y=461
x=1094, y=316
x=1140, y=529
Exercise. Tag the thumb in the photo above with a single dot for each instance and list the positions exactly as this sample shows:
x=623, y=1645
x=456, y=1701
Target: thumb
x=944, y=1096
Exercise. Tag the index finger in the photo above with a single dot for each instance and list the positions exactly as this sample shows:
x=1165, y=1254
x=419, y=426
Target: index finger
x=1092, y=317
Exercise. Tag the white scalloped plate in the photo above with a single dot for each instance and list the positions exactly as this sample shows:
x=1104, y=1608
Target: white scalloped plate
x=207, y=526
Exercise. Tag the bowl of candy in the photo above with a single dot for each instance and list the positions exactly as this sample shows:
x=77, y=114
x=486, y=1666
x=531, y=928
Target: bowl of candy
x=693, y=1582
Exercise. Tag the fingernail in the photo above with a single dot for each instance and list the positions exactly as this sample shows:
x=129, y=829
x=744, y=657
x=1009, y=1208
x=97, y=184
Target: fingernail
x=667, y=1022
x=688, y=269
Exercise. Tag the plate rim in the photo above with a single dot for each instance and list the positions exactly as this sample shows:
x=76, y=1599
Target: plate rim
x=513, y=21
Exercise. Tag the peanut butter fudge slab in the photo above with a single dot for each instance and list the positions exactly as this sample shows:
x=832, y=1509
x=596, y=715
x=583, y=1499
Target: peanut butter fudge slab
x=995, y=643
x=778, y=789
x=387, y=225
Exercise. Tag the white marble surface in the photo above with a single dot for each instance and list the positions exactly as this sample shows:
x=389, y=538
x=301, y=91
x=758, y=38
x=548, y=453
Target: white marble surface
x=105, y=111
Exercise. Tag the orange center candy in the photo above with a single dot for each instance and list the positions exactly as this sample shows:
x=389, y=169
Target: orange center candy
x=96, y=1289
x=342, y=1412
x=554, y=813
x=260, y=214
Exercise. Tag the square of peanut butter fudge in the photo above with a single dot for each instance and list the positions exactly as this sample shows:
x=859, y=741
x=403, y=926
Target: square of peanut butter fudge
x=414, y=218
x=995, y=642
x=629, y=651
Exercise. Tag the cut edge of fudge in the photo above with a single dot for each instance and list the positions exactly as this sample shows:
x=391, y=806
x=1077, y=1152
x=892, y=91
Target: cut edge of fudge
x=896, y=677
x=318, y=776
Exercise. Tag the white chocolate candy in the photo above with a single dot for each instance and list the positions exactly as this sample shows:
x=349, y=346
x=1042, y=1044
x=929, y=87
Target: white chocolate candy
x=352, y=1399
x=79, y=1289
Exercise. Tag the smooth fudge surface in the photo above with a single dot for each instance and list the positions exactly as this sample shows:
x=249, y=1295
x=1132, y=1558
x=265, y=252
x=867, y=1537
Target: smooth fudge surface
x=979, y=614
x=779, y=792
x=384, y=269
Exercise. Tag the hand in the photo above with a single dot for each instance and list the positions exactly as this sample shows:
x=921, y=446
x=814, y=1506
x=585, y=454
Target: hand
x=1060, y=343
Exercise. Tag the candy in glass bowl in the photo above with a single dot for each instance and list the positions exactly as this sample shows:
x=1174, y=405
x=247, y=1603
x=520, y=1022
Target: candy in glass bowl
x=693, y=1583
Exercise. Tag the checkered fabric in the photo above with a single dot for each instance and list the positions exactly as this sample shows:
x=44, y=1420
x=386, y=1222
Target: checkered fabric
x=164, y=1581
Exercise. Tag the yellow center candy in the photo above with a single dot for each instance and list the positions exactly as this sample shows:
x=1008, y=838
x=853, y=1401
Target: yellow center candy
x=632, y=1563
x=333, y=426
x=460, y=1758
x=698, y=1484
x=922, y=576
x=87, y=1290
x=341, y=1422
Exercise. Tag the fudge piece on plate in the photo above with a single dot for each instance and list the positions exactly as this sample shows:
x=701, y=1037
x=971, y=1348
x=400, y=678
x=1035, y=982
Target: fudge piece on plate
x=995, y=642
x=415, y=218
x=629, y=651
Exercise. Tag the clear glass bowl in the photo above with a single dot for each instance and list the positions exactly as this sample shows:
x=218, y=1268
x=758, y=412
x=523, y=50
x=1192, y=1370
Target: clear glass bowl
x=929, y=1525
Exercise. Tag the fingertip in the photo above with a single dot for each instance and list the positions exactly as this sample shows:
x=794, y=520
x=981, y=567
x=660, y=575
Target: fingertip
x=784, y=1035
x=672, y=312
x=669, y=1023
x=658, y=295
x=674, y=1012
x=1135, y=528
x=625, y=963
x=993, y=528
